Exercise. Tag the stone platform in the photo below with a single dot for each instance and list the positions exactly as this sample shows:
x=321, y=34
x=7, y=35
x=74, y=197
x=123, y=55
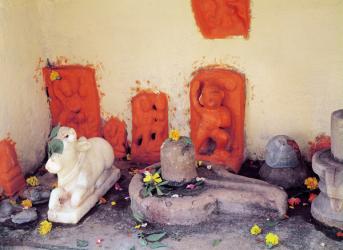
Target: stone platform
x=226, y=193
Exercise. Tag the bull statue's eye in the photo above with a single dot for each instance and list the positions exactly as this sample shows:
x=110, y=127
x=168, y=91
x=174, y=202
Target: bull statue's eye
x=66, y=136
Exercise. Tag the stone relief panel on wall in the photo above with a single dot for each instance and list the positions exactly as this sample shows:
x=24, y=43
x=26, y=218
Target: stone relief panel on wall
x=74, y=99
x=222, y=18
x=149, y=125
x=217, y=99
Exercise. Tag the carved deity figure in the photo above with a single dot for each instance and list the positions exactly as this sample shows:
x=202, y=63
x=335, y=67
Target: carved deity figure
x=217, y=116
x=222, y=18
x=149, y=125
x=85, y=172
x=74, y=99
x=11, y=177
x=115, y=133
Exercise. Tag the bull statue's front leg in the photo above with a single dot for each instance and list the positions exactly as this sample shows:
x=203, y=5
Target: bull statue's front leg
x=57, y=195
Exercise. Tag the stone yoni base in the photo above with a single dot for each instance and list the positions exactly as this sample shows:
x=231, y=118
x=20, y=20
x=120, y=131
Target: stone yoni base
x=229, y=194
x=70, y=215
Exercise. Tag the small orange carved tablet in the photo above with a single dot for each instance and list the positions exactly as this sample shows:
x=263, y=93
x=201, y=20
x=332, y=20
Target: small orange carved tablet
x=149, y=126
x=222, y=18
x=217, y=99
x=74, y=99
x=11, y=177
x=116, y=134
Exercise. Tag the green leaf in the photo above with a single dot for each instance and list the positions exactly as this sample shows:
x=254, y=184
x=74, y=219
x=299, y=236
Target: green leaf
x=162, y=183
x=81, y=243
x=155, y=237
x=156, y=244
x=159, y=191
x=138, y=217
x=55, y=146
x=143, y=242
x=216, y=242
x=54, y=131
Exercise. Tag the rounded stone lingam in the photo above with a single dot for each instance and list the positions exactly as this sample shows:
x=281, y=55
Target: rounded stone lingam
x=283, y=165
x=328, y=164
x=178, y=161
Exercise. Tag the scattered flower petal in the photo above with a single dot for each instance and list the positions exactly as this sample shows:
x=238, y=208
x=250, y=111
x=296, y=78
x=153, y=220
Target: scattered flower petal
x=113, y=203
x=99, y=241
x=117, y=187
x=102, y=200
x=200, y=179
x=339, y=234
x=271, y=240
x=199, y=163
x=32, y=181
x=174, y=135
x=127, y=197
x=294, y=201
x=191, y=186
x=128, y=157
x=311, y=197
x=175, y=196
x=44, y=227
x=209, y=167
x=13, y=202
x=255, y=230
x=144, y=224
x=138, y=226
x=26, y=203
x=311, y=183
x=322, y=244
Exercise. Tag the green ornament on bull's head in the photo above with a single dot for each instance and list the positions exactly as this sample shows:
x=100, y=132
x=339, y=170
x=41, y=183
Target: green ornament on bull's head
x=54, y=145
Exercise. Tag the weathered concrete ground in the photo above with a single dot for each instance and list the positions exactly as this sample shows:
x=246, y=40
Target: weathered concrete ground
x=114, y=225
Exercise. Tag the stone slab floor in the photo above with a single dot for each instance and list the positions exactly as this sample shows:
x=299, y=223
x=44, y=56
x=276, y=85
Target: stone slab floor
x=114, y=227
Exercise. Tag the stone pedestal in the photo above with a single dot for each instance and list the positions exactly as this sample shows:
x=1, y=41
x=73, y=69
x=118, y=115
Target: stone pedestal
x=178, y=160
x=328, y=206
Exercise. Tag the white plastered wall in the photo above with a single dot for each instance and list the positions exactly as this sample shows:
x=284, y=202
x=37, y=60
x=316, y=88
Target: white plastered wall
x=24, y=113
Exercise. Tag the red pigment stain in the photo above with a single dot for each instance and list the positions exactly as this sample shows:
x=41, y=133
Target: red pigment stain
x=11, y=177
x=222, y=18
x=74, y=99
x=149, y=125
x=321, y=142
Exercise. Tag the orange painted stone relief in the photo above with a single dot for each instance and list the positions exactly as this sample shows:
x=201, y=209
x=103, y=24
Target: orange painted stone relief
x=149, y=126
x=222, y=18
x=116, y=134
x=217, y=99
x=74, y=99
x=11, y=178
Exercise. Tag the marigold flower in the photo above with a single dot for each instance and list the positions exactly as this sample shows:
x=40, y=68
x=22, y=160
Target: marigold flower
x=152, y=177
x=174, y=135
x=311, y=197
x=32, y=181
x=26, y=203
x=271, y=240
x=54, y=75
x=44, y=227
x=255, y=230
x=311, y=183
x=102, y=200
x=294, y=201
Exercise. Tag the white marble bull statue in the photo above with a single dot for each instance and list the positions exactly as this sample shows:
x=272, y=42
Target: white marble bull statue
x=83, y=167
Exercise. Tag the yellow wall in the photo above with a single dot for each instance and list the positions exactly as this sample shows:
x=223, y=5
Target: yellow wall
x=292, y=60
x=24, y=113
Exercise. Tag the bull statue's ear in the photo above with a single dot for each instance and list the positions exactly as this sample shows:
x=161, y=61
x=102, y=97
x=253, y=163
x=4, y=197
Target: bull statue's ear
x=83, y=144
